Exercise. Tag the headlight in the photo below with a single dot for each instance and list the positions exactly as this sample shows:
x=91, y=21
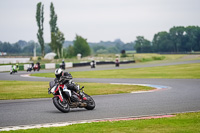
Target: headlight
x=53, y=90
x=78, y=87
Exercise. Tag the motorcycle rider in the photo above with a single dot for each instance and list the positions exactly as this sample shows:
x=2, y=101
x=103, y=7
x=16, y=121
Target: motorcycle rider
x=63, y=65
x=60, y=74
x=38, y=63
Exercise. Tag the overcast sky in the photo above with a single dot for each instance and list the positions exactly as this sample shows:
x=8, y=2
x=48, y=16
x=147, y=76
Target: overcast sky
x=97, y=20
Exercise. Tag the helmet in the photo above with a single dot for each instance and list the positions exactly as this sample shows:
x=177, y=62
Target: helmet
x=58, y=73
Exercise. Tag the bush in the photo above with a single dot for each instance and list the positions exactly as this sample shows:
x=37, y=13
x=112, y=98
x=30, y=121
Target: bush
x=56, y=57
x=124, y=55
x=158, y=57
x=152, y=58
x=146, y=59
x=39, y=58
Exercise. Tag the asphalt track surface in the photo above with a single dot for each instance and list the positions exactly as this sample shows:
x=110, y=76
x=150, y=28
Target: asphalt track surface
x=183, y=95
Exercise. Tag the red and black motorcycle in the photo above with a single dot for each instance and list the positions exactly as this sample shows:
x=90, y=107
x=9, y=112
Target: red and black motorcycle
x=64, y=99
x=36, y=67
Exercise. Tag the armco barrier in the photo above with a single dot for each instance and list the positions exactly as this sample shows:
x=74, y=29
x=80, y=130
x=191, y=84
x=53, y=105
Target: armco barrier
x=50, y=66
x=68, y=65
x=42, y=66
x=53, y=65
x=21, y=67
x=26, y=66
x=57, y=65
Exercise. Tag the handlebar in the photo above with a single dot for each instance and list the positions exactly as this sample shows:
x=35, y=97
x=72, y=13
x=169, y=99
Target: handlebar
x=81, y=87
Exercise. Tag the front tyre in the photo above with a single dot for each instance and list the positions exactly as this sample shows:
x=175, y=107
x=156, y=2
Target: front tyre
x=90, y=102
x=62, y=106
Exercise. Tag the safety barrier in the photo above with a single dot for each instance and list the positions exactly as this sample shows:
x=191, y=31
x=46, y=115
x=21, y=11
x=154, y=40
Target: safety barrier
x=101, y=63
x=67, y=65
x=50, y=66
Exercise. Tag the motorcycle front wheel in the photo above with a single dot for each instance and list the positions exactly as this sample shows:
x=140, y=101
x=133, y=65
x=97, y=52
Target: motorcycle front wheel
x=90, y=102
x=62, y=106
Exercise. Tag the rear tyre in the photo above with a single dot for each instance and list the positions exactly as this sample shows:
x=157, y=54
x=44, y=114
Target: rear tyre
x=62, y=106
x=90, y=102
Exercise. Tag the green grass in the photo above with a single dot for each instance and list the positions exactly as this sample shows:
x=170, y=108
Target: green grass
x=23, y=90
x=32, y=89
x=181, y=123
x=191, y=71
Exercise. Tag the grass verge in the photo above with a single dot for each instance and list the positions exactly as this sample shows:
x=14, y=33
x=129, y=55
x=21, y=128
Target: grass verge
x=189, y=71
x=181, y=123
x=32, y=89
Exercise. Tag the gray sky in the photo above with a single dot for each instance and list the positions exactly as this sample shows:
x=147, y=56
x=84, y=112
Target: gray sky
x=97, y=19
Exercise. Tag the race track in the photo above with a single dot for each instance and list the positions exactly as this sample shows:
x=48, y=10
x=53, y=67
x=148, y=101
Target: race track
x=183, y=95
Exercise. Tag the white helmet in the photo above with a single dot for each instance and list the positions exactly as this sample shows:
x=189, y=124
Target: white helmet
x=58, y=73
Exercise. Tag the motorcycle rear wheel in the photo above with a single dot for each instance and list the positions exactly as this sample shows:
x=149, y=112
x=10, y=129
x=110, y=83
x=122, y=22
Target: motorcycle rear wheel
x=63, y=107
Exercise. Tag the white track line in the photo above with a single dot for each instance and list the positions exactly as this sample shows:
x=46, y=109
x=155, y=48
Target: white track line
x=157, y=87
x=25, y=75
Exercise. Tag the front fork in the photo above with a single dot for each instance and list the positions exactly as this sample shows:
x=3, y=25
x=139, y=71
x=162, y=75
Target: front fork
x=59, y=96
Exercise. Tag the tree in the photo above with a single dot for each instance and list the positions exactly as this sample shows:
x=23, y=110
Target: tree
x=193, y=35
x=177, y=35
x=97, y=47
x=81, y=46
x=162, y=42
x=142, y=45
x=69, y=52
x=40, y=21
x=57, y=43
x=57, y=37
x=53, y=19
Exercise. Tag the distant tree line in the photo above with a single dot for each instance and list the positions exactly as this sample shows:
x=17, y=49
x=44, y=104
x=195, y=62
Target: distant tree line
x=178, y=39
x=22, y=48
x=110, y=47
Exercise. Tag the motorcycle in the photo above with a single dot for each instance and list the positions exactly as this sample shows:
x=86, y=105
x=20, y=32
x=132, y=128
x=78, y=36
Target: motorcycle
x=62, y=66
x=36, y=67
x=93, y=64
x=64, y=99
x=13, y=69
x=117, y=63
x=30, y=68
